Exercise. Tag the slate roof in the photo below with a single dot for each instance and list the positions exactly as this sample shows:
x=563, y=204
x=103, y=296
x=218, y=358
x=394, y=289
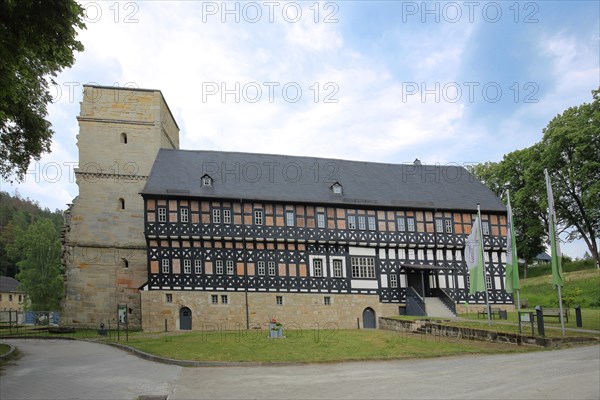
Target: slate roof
x=267, y=177
x=9, y=285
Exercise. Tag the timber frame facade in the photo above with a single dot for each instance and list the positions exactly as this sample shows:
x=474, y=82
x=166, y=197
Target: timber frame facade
x=205, y=244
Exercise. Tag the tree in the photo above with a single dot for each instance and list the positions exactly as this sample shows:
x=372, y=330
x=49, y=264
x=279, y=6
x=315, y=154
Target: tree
x=570, y=150
x=37, y=41
x=40, y=270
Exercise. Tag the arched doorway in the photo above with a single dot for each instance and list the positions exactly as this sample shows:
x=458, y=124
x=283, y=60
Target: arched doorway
x=185, y=319
x=368, y=318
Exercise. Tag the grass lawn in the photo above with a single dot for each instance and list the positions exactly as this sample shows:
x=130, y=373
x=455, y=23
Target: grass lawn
x=311, y=346
x=539, y=290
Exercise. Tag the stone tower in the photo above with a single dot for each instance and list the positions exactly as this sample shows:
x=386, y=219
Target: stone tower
x=104, y=250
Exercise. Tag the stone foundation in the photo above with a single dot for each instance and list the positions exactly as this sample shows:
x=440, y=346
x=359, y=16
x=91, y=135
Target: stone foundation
x=298, y=311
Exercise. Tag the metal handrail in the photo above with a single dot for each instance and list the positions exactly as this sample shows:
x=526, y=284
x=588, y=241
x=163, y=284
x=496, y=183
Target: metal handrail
x=415, y=305
x=447, y=300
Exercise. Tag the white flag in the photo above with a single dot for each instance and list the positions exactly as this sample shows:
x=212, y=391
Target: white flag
x=472, y=246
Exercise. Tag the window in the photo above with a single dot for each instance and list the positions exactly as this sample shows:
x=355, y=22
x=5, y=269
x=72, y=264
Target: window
x=327, y=300
x=372, y=223
x=124, y=138
x=401, y=224
x=224, y=299
x=361, y=223
x=279, y=300
x=320, y=220
x=184, y=215
x=216, y=214
x=122, y=203
x=165, y=266
x=485, y=227
x=169, y=297
x=336, y=188
x=289, y=218
x=20, y=298
x=261, y=267
x=197, y=267
x=393, y=280
x=162, y=214
x=363, y=267
x=411, y=224
x=0, y=297
x=439, y=226
x=448, y=226
x=258, y=217
x=351, y=222
x=468, y=280
x=219, y=267
x=318, y=267
x=229, y=264
x=271, y=265
x=206, y=180
x=488, y=282
x=226, y=216
x=337, y=268
x=214, y=299
x=10, y=298
x=125, y=263
x=187, y=266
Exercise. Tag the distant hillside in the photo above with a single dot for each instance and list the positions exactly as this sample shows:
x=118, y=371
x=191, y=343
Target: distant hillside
x=16, y=214
x=581, y=288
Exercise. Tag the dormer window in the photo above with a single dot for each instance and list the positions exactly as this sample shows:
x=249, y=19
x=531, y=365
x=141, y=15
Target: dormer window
x=336, y=188
x=206, y=180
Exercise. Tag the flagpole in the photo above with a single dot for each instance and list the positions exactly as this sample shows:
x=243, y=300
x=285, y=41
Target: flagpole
x=513, y=255
x=556, y=255
x=480, y=255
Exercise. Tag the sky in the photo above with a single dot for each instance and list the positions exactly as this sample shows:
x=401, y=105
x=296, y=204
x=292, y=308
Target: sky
x=384, y=81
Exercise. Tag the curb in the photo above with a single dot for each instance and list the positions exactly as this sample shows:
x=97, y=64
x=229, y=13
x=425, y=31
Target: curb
x=10, y=351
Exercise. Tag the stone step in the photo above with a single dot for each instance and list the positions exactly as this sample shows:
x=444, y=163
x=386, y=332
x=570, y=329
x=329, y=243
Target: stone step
x=436, y=308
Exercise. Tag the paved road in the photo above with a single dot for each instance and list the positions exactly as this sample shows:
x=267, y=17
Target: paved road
x=52, y=370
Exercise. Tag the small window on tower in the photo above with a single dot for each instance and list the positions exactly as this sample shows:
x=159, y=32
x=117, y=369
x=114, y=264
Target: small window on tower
x=123, y=138
x=122, y=203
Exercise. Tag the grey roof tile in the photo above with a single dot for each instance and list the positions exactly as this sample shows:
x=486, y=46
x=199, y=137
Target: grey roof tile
x=283, y=178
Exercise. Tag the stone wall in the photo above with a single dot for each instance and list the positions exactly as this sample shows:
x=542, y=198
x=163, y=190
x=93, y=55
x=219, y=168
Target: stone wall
x=298, y=311
x=104, y=249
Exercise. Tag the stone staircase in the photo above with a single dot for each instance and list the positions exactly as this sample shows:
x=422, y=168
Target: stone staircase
x=436, y=308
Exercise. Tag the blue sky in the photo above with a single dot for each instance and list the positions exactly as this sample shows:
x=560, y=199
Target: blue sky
x=447, y=82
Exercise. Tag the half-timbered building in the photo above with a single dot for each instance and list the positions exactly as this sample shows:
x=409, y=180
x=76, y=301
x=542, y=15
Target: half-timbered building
x=239, y=239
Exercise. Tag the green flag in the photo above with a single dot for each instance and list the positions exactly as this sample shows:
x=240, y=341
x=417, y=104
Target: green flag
x=512, y=261
x=474, y=257
x=557, y=274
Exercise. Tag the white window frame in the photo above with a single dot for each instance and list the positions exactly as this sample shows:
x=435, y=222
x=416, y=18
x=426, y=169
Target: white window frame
x=363, y=267
x=219, y=267
x=351, y=222
x=214, y=299
x=187, y=266
x=327, y=300
x=279, y=300
x=197, y=267
x=227, y=216
x=216, y=216
x=318, y=267
x=169, y=297
x=336, y=188
x=362, y=223
x=184, y=214
x=439, y=225
x=289, y=218
x=338, y=272
x=162, y=214
x=224, y=299
x=488, y=282
x=229, y=266
x=410, y=224
x=485, y=228
x=448, y=223
x=206, y=181
x=260, y=266
x=258, y=217
x=401, y=222
x=321, y=220
x=372, y=222
x=271, y=267
x=166, y=266
x=393, y=280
